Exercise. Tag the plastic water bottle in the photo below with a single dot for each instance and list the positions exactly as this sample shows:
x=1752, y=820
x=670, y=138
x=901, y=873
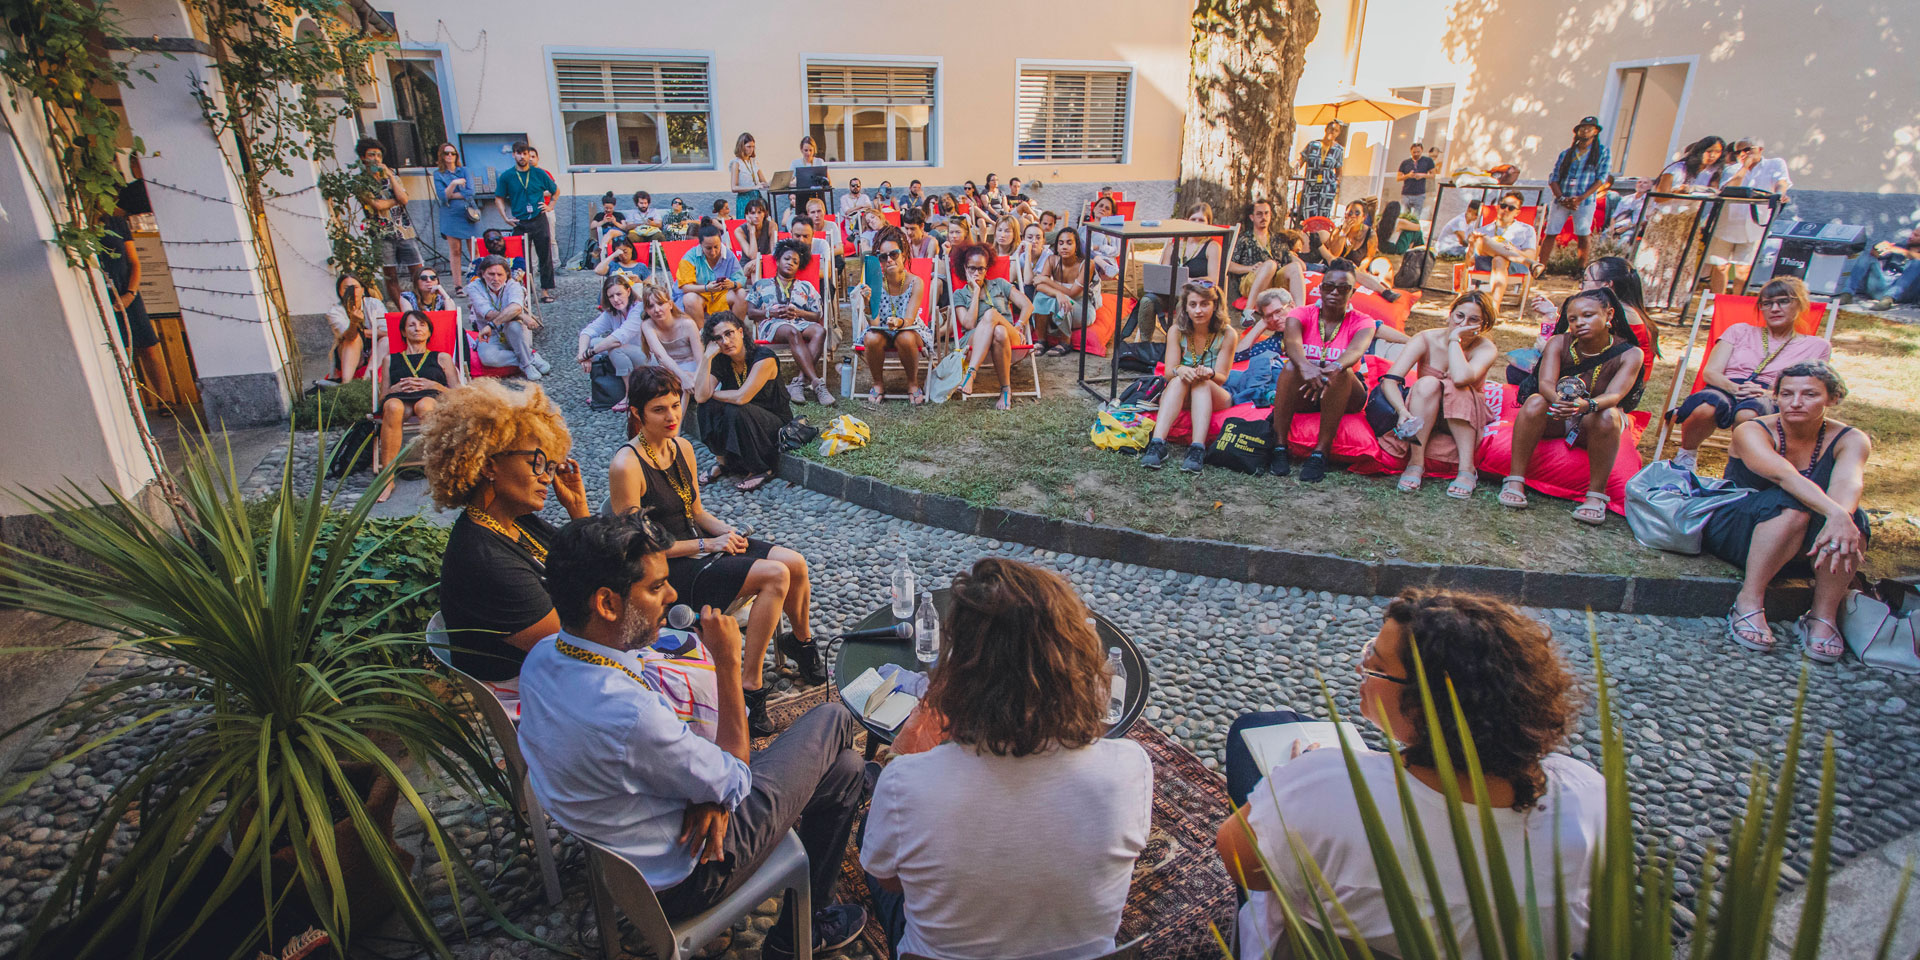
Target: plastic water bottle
x=846, y=377
x=926, y=630
x=903, y=588
x=1116, y=685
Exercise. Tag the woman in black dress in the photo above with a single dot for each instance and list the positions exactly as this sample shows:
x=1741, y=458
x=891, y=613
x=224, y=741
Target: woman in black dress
x=710, y=563
x=414, y=380
x=1799, y=520
x=742, y=407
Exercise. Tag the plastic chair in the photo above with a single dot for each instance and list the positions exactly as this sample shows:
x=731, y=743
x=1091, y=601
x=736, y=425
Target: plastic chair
x=505, y=731
x=619, y=889
x=448, y=325
x=1002, y=269
x=1463, y=273
x=921, y=267
x=1728, y=311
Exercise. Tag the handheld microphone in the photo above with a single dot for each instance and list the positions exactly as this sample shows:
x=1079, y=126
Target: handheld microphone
x=898, y=631
x=682, y=617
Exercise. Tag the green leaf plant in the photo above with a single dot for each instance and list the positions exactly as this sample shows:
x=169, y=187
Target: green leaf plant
x=276, y=686
x=1630, y=910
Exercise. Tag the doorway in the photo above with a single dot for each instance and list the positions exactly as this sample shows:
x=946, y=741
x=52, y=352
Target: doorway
x=1645, y=104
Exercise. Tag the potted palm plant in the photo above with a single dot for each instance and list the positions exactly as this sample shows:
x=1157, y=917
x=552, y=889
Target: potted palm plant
x=272, y=797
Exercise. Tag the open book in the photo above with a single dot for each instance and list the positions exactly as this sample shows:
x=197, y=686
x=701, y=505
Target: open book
x=881, y=701
x=1273, y=746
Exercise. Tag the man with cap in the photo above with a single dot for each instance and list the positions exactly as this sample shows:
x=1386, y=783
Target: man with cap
x=1582, y=172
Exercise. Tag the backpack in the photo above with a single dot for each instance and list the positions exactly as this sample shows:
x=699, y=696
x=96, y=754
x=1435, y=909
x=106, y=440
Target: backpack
x=1145, y=390
x=1138, y=357
x=353, y=452
x=608, y=389
x=1414, y=266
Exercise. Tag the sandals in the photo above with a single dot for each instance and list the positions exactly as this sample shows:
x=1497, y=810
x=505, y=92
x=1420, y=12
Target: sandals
x=546, y=298
x=1538, y=270
x=875, y=395
x=1592, y=510
x=1513, y=491
x=966, y=382
x=1410, y=478
x=1006, y=399
x=1827, y=649
x=1750, y=629
x=754, y=482
x=711, y=475
x=917, y=396
x=1057, y=350
x=1463, y=485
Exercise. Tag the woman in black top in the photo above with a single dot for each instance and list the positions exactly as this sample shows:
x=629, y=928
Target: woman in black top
x=494, y=447
x=414, y=380
x=711, y=563
x=1799, y=520
x=742, y=408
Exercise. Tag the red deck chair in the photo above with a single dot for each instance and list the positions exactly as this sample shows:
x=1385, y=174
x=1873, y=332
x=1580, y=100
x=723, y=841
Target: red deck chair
x=447, y=328
x=1728, y=311
x=1002, y=269
x=921, y=267
x=1124, y=209
x=809, y=273
x=892, y=217
x=1463, y=272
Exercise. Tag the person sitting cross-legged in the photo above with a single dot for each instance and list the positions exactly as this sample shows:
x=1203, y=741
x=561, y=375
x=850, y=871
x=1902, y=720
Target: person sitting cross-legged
x=611, y=760
x=499, y=306
x=1199, y=356
x=1506, y=244
x=711, y=279
x=788, y=310
x=1324, y=342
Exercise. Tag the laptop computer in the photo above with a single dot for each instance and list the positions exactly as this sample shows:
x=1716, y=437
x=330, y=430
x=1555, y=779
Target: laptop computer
x=782, y=179
x=810, y=176
x=1161, y=279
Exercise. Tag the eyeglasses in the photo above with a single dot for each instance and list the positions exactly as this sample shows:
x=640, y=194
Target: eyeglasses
x=888, y=256
x=429, y=276
x=539, y=463
x=976, y=268
x=1776, y=302
x=1366, y=654
x=1509, y=206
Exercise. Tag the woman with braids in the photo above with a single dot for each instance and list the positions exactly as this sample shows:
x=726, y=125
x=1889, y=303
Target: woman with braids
x=1004, y=763
x=1517, y=698
x=711, y=564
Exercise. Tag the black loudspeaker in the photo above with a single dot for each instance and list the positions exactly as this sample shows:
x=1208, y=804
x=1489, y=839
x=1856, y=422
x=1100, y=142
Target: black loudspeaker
x=400, y=143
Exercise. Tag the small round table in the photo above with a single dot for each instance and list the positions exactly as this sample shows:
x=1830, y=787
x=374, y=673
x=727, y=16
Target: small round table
x=857, y=656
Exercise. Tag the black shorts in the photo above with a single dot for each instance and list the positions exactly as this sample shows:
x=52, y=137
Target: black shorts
x=715, y=580
x=136, y=328
x=1725, y=406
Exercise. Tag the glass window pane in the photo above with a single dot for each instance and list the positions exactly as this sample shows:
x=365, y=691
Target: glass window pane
x=587, y=138
x=870, y=136
x=687, y=138
x=416, y=97
x=910, y=133
x=639, y=137
x=827, y=126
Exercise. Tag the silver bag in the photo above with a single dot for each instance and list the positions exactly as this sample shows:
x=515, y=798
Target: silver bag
x=1668, y=506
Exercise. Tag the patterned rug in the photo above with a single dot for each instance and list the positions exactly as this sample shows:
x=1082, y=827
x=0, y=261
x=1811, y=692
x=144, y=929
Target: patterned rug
x=1179, y=885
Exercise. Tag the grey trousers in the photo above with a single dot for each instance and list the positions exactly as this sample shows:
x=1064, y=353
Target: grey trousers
x=510, y=346
x=627, y=358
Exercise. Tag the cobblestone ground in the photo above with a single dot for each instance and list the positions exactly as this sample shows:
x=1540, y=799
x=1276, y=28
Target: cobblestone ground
x=1697, y=712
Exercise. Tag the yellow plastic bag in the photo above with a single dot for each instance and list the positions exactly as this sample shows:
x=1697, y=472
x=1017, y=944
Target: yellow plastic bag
x=845, y=432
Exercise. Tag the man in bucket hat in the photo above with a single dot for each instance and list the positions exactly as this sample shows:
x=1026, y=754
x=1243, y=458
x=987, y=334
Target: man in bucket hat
x=1580, y=175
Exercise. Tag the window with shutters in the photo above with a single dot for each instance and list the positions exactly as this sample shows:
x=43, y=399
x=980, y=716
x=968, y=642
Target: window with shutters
x=634, y=111
x=870, y=113
x=1073, y=113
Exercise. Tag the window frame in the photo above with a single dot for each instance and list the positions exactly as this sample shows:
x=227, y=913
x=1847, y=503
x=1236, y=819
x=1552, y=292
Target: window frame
x=936, y=117
x=560, y=140
x=1129, y=68
x=438, y=55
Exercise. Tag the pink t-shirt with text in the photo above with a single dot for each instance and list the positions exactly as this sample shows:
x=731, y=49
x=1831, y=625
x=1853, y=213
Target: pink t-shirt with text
x=1310, y=344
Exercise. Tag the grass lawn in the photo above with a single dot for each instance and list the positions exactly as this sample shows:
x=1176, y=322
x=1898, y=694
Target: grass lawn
x=1038, y=458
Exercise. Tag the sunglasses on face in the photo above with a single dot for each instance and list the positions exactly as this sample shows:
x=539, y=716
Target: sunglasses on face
x=1336, y=288
x=1509, y=206
x=888, y=256
x=429, y=277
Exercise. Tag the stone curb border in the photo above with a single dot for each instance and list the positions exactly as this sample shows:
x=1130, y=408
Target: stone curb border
x=1661, y=596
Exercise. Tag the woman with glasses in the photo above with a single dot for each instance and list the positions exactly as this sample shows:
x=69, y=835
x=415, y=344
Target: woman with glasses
x=1199, y=357
x=1744, y=365
x=990, y=314
x=1517, y=699
x=493, y=449
x=1324, y=342
x=711, y=564
x=456, y=189
x=894, y=318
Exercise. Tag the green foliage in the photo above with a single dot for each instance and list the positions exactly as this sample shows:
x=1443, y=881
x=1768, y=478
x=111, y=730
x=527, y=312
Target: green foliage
x=288, y=670
x=55, y=58
x=1630, y=905
x=399, y=588
x=332, y=406
x=353, y=245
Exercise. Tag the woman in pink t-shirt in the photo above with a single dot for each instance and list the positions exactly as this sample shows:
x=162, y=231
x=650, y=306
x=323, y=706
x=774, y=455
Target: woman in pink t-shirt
x=1744, y=364
x=1324, y=344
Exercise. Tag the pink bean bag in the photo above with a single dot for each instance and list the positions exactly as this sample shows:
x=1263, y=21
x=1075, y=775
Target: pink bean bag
x=1558, y=470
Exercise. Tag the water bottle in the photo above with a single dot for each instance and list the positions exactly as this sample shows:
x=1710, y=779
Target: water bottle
x=926, y=630
x=1116, y=685
x=846, y=378
x=902, y=588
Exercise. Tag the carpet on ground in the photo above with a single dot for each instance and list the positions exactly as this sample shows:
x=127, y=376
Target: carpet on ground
x=1179, y=884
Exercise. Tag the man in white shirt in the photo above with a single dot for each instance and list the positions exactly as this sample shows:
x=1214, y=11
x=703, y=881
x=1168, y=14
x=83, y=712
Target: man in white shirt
x=855, y=201
x=500, y=315
x=1506, y=244
x=1452, y=239
x=611, y=759
x=1741, y=228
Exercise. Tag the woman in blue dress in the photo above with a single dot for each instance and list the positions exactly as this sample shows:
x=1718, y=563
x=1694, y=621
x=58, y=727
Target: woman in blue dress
x=456, y=188
x=1320, y=164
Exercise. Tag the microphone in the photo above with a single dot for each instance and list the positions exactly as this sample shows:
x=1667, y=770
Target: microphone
x=898, y=631
x=682, y=617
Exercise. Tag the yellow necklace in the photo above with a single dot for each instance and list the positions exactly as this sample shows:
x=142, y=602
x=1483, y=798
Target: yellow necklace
x=414, y=365
x=588, y=656
x=681, y=488
x=513, y=533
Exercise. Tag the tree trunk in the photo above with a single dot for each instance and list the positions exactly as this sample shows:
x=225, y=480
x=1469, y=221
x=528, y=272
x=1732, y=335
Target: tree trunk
x=1246, y=61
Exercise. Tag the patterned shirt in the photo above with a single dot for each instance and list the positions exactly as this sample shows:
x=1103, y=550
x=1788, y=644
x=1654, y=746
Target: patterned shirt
x=1577, y=175
x=768, y=291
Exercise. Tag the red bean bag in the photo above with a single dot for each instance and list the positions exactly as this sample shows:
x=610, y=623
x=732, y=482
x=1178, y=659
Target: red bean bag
x=1499, y=397
x=1558, y=470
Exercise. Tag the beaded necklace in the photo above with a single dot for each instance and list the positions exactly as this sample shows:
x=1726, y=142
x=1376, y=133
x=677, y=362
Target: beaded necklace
x=681, y=488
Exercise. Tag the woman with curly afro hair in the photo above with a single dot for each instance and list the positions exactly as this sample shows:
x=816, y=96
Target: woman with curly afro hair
x=493, y=448
x=1517, y=698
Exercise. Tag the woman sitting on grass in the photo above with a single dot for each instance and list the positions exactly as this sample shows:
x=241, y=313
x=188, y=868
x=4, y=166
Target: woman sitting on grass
x=1744, y=366
x=742, y=408
x=1802, y=520
x=1198, y=358
x=1449, y=366
x=1587, y=374
x=989, y=314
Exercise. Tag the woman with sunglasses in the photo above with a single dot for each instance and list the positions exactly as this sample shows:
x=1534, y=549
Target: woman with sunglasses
x=427, y=293
x=1324, y=342
x=742, y=408
x=1199, y=357
x=456, y=189
x=1518, y=703
x=989, y=314
x=894, y=318
x=493, y=449
x=711, y=564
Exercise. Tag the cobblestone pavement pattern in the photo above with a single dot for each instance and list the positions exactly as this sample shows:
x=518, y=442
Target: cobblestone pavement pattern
x=1697, y=712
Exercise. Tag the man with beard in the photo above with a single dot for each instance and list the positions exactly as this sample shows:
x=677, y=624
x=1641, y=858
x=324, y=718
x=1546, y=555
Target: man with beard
x=612, y=760
x=1582, y=172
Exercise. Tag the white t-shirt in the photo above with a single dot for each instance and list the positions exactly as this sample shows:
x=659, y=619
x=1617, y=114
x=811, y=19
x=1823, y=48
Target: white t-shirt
x=1454, y=228
x=1740, y=223
x=1519, y=232
x=1316, y=800
x=854, y=203
x=951, y=823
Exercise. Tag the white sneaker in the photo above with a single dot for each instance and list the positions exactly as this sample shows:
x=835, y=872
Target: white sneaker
x=541, y=362
x=1685, y=459
x=821, y=392
x=531, y=376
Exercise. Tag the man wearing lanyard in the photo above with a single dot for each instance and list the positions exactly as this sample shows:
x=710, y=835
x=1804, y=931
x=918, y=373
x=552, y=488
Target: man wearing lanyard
x=610, y=758
x=523, y=196
x=499, y=306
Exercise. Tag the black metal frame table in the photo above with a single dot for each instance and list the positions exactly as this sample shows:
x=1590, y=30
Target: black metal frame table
x=1540, y=196
x=1126, y=233
x=1695, y=233
x=856, y=656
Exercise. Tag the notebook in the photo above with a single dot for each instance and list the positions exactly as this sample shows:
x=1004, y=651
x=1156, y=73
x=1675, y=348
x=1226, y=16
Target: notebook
x=880, y=700
x=1272, y=747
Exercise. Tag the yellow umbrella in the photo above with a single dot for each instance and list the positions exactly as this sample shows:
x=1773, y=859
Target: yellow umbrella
x=1352, y=106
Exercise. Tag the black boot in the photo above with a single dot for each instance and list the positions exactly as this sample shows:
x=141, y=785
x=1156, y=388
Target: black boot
x=757, y=723
x=805, y=655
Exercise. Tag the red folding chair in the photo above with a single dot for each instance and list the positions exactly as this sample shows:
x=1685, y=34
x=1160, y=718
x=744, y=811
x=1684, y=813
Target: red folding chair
x=1463, y=273
x=1124, y=209
x=809, y=273
x=675, y=251
x=1728, y=311
x=892, y=217
x=731, y=245
x=447, y=327
x=921, y=267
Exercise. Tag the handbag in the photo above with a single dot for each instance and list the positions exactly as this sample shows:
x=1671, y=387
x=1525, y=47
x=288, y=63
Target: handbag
x=608, y=388
x=1881, y=624
x=946, y=377
x=1138, y=357
x=1243, y=446
x=353, y=452
x=1668, y=506
x=1120, y=431
x=1381, y=417
x=797, y=433
x=472, y=212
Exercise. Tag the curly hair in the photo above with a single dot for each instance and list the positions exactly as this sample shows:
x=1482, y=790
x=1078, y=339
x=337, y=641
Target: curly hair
x=1021, y=667
x=479, y=419
x=1514, y=689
